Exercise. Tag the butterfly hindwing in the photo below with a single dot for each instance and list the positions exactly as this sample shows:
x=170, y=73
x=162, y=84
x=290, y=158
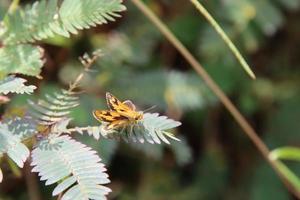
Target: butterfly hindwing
x=129, y=104
x=117, y=123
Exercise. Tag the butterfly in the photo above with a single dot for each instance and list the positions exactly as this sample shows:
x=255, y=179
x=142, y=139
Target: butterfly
x=120, y=113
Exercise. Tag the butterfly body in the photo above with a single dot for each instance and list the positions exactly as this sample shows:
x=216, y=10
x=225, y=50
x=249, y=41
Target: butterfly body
x=120, y=114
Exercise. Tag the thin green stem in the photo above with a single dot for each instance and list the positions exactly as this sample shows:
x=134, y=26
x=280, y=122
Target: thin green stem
x=236, y=114
x=224, y=36
x=290, y=175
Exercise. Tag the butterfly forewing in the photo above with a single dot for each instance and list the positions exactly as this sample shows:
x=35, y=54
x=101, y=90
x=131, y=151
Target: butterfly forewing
x=120, y=113
x=108, y=115
x=112, y=102
x=115, y=104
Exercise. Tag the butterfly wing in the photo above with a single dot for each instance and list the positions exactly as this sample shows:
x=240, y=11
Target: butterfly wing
x=108, y=116
x=115, y=104
x=129, y=104
x=125, y=110
x=113, y=118
x=116, y=124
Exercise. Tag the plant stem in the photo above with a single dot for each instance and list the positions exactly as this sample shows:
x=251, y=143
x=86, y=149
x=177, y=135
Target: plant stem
x=31, y=183
x=224, y=36
x=239, y=118
x=87, y=62
x=82, y=129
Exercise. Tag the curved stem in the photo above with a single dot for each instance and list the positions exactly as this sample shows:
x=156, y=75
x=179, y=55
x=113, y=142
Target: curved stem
x=239, y=118
x=224, y=36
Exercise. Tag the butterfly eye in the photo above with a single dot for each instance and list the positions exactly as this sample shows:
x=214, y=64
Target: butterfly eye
x=139, y=117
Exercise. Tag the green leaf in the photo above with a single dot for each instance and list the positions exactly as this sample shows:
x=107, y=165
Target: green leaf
x=24, y=59
x=10, y=143
x=75, y=166
x=286, y=153
x=12, y=84
x=44, y=19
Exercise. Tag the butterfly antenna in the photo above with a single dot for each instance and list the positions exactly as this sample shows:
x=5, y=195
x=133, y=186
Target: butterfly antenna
x=152, y=107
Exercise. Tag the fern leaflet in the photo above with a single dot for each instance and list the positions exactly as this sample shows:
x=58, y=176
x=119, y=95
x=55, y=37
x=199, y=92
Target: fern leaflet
x=44, y=19
x=55, y=108
x=75, y=166
x=12, y=84
x=10, y=143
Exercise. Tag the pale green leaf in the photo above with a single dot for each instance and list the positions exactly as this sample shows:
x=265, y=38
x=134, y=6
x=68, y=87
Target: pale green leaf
x=76, y=166
x=24, y=127
x=46, y=18
x=12, y=84
x=54, y=109
x=12, y=146
x=24, y=59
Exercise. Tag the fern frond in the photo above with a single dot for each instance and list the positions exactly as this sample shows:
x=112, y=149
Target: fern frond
x=24, y=59
x=73, y=165
x=12, y=84
x=10, y=144
x=153, y=129
x=55, y=108
x=45, y=19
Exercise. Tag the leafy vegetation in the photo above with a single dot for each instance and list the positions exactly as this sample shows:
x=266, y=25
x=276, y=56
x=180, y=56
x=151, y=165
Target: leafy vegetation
x=48, y=98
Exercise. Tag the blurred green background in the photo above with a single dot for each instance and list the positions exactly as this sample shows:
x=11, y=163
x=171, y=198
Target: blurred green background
x=215, y=160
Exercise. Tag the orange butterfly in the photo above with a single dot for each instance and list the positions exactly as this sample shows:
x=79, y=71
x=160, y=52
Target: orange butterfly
x=120, y=113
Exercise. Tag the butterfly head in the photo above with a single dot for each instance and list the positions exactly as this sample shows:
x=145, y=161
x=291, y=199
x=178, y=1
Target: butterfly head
x=138, y=116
